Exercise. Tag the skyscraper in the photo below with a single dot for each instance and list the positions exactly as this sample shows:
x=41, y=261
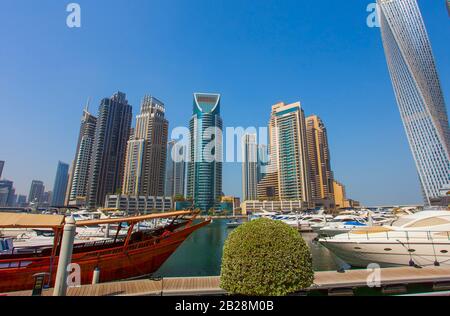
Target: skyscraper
x=249, y=167
x=21, y=201
x=291, y=150
x=321, y=176
x=108, y=153
x=175, y=169
x=83, y=157
x=6, y=193
x=36, y=194
x=205, y=161
x=418, y=91
x=60, y=185
x=145, y=164
x=2, y=164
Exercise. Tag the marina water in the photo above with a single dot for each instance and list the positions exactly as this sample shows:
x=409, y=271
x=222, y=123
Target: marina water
x=201, y=253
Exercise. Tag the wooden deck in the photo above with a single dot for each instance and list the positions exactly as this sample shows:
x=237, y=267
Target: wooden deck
x=210, y=285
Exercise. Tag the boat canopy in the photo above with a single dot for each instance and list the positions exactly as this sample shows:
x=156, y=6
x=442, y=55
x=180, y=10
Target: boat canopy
x=21, y=220
x=134, y=219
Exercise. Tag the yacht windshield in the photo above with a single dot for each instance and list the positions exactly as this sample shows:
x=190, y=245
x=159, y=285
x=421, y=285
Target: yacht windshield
x=402, y=222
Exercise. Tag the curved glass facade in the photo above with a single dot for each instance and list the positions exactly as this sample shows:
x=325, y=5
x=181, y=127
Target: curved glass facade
x=205, y=164
x=418, y=92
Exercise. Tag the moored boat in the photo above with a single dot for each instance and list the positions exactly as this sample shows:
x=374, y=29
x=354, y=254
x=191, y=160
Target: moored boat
x=421, y=239
x=140, y=253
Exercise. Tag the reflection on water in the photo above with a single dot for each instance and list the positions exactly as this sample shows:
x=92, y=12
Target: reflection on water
x=201, y=253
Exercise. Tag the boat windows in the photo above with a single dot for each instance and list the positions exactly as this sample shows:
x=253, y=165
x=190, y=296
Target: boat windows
x=444, y=251
x=387, y=249
x=411, y=250
x=358, y=248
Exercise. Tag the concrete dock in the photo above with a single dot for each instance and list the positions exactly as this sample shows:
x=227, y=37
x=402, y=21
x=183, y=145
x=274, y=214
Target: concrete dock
x=328, y=281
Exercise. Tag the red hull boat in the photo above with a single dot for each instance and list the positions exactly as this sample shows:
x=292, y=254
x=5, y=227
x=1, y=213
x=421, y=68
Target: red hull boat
x=141, y=253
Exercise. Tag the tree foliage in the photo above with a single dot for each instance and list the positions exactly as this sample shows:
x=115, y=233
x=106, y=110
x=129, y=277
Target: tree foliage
x=266, y=258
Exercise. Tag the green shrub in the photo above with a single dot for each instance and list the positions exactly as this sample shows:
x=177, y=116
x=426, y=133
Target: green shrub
x=266, y=258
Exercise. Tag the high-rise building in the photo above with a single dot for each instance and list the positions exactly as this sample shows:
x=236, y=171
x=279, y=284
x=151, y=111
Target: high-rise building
x=321, y=176
x=108, y=153
x=69, y=183
x=36, y=194
x=292, y=155
x=418, y=91
x=340, y=197
x=249, y=167
x=83, y=158
x=268, y=184
x=263, y=161
x=145, y=164
x=2, y=164
x=21, y=201
x=205, y=162
x=6, y=193
x=60, y=185
x=175, y=169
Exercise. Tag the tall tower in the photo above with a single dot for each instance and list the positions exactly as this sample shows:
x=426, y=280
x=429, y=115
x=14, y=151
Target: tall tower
x=249, y=167
x=60, y=185
x=146, y=151
x=175, y=169
x=418, y=91
x=7, y=193
x=292, y=160
x=321, y=176
x=36, y=194
x=2, y=164
x=108, y=154
x=205, y=163
x=83, y=157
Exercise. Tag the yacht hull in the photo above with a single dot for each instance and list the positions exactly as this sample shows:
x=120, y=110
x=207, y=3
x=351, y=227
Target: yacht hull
x=390, y=253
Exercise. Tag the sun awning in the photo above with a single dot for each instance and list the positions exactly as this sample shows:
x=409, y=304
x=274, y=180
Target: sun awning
x=134, y=219
x=21, y=220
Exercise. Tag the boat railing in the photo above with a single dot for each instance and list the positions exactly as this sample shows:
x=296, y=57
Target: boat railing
x=395, y=234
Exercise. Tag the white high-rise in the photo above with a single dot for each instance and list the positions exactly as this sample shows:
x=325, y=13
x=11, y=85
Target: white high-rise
x=249, y=167
x=418, y=92
x=175, y=169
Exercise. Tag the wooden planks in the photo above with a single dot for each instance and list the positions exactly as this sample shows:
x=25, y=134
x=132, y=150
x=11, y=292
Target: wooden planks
x=210, y=285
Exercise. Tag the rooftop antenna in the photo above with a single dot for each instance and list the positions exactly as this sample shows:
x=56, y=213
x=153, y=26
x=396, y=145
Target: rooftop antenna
x=86, y=107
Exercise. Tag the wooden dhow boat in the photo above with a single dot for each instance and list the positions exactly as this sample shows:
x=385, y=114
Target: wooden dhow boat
x=140, y=253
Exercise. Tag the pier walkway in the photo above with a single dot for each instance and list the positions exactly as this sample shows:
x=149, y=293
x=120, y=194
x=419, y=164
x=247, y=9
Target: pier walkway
x=194, y=286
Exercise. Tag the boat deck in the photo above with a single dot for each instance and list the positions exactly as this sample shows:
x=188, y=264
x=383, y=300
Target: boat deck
x=210, y=285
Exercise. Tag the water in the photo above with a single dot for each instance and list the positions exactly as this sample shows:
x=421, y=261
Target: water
x=201, y=253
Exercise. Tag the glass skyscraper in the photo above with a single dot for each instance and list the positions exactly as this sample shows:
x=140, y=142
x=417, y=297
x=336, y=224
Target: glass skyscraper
x=108, y=154
x=145, y=165
x=249, y=167
x=175, y=170
x=205, y=163
x=83, y=156
x=418, y=91
x=60, y=186
x=289, y=126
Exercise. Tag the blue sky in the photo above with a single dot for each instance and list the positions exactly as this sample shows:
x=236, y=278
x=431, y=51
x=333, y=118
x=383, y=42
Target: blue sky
x=254, y=52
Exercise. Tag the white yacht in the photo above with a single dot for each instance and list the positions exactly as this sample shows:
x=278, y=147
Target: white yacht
x=339, y=225
x=421, y=239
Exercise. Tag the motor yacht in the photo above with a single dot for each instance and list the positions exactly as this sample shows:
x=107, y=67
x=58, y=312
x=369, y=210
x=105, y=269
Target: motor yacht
x=338, y=225
x=421, y=239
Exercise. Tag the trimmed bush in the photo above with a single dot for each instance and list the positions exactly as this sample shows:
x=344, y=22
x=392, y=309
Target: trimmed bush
x=266, y=258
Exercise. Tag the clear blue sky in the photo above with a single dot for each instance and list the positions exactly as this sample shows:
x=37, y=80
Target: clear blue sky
x=254, y=52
